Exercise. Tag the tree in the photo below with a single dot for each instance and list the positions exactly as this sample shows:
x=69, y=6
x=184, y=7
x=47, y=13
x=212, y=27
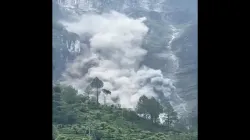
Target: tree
x=192, y=120
x=149, y=107
x=88, y=90
x=57, y=89
x=155, y=109
x=106, y=92
x=115, y=99
x=69, y=94
x=169, y=114
x=97, y=83
x=181, y=124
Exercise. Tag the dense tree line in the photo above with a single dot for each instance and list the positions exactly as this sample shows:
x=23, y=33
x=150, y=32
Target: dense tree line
x=79, y=116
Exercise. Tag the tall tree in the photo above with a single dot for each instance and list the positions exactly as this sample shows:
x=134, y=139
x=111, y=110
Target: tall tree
x=192, y=120
x=170, y=115
x=106, y=92
x=149, y=107
x=142, y=105
x=88, y=90
x=155, y=108
x=97, y=83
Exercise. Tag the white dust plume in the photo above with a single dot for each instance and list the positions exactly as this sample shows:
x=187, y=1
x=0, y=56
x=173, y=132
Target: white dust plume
x=113, y=53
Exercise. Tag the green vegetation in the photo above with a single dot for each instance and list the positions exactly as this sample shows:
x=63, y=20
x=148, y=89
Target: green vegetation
x=79, y=117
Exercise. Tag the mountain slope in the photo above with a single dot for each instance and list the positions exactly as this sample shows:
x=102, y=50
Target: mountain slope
x=76, y=117
x=169, y=22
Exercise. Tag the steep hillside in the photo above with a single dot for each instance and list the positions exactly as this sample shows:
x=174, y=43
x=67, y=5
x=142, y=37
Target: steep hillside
x=78, y=117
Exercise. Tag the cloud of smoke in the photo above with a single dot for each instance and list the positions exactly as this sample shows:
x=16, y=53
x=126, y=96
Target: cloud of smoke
x=114, y=55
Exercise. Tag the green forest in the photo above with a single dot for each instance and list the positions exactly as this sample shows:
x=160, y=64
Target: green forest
x=80, y=116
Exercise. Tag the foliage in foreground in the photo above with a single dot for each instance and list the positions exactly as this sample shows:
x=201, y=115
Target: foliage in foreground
x=76, y=117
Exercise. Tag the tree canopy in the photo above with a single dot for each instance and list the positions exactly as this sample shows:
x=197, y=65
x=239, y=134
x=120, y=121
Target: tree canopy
x=149, y=107
x=96, y=83
x=77, y=117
